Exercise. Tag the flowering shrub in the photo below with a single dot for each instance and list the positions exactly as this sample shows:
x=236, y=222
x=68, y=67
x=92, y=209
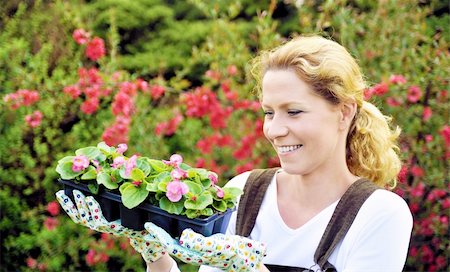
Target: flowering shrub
x=172, y=185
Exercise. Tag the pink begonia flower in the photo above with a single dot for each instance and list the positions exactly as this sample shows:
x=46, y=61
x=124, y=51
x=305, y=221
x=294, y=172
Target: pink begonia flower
x=178, y=174
x=53, y=208
x=130, y=164
x=213, y=178
x=175, y=160
x=97, y=165
x=80, y=163
x=95, y=49
x=220, y=192
x=175, y=190
x=118, y=162
x=121, y=148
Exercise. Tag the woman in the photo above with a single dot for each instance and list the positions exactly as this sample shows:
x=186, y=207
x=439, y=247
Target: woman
x=326, y=137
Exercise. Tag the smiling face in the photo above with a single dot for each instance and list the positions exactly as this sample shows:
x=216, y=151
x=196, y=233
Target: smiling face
x=305, y=129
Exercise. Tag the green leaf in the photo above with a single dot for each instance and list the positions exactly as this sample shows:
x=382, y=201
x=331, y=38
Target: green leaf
x=171, y=207
x=158, y=165
x=105, y=179
x=93, y=187
x=152, y=186
x=185, y=166
x=194, y=188
x=65, y=170
x=201, y=202
x=93, y=153
x=66, y=159
x=91, y=173
x=220, y=205
x=137, y=174
x=231, y=193
x=142, y=163
x=133, y=195
x=106, y=149
x=193, y=213
x=207, y=212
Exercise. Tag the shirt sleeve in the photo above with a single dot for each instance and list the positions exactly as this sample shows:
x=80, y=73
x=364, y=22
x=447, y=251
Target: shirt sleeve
x=382, y=242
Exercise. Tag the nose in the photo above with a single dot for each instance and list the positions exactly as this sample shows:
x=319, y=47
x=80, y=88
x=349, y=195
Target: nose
x=275, y=128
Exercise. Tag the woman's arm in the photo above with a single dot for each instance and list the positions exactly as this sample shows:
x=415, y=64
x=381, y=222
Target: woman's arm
x=163, y=264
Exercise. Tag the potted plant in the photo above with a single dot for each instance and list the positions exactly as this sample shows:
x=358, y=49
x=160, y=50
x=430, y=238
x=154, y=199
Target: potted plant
x=138, y=189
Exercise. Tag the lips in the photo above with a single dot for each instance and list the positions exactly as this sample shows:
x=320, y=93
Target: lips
x=288, y=148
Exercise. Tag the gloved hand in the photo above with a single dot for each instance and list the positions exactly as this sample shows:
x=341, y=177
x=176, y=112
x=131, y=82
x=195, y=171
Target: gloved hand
x=87, y=212
x=227, y=252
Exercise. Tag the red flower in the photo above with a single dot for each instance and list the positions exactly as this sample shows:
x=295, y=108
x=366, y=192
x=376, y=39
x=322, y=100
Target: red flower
x=53, y=208
x=51, y=223
x=393, y=102
x=34, y=119
x=426, y=115
x=419, y=190
x=380, y=89
x=397, y=79
x=95, y=49
x=414, y=94
x=445, y=133
x=90, y=106
x=31, y=262
x=417, y=171
x=80, y=36
x=157, y=91
x=73, y=91
x=232, y=70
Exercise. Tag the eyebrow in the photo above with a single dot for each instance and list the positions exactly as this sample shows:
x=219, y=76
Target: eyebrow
x=285, y=105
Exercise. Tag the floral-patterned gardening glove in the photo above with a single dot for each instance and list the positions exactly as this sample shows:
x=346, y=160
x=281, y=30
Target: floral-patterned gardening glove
x=226, y=252
x=87, y=212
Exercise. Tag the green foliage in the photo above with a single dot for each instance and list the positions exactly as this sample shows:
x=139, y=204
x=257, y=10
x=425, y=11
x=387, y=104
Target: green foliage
x=182, y=45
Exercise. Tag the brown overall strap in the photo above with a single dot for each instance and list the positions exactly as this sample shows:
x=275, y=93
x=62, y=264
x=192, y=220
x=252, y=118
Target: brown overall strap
x=254, y=191
x=341, y=220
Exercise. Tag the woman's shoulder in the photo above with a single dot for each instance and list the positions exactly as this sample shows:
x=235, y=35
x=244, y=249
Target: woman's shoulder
x=386, y=205
x=239, y=180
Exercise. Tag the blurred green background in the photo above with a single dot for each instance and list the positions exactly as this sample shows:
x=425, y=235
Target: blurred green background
x=173, y=78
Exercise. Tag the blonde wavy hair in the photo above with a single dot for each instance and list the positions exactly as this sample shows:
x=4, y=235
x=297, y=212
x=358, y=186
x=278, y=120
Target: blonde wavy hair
x=372, y=150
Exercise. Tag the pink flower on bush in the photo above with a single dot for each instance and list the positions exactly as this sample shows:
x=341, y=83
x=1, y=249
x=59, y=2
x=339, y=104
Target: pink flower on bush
x=380, y=89
x=53, y=208
x=95, y=49
x=81, y=36
x=393, y=102
x=73, y=91
x=51, y=223
x=21, y=98
x=397, y=79
x=232, y=70
x=34, y=119
x=414, y=94
x=426, y=114
x=31, y=262
x=157, y=91
x=90, y=106
x=93, y=257
x=417, y=171
x=80, y=163
x=121, y=148
x=445, y=133
x=175, y=190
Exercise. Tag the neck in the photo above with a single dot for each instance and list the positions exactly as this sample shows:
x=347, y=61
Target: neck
x=319, y=190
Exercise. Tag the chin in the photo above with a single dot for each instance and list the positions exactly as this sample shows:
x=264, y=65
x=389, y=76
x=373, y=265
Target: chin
x=292, y=169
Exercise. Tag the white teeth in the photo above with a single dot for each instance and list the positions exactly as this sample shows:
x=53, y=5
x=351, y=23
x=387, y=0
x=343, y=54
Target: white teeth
x=288, y=148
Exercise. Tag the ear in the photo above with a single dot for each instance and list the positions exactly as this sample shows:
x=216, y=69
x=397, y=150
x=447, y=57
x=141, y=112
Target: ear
x=347, y=114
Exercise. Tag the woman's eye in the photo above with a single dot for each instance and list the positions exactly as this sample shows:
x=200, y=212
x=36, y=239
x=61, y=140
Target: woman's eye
x=294, y=112
x=268, y=113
